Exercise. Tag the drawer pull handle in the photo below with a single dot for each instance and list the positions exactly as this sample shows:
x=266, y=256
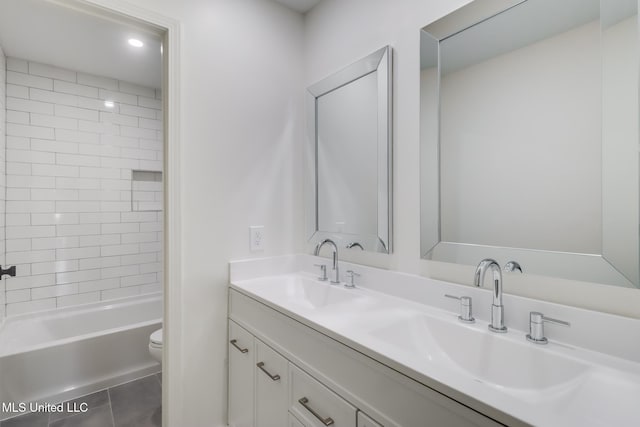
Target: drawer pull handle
x=326, y=421
x=242, y=350
x=275, y=377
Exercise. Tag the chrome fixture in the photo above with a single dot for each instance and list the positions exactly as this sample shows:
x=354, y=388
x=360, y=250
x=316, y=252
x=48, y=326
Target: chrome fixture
x=536, y=327
x=512, y=266
x=466, y=308
x=351, y=274
x=336, y=274
x=355, y=245
x=323, y=272
x=497, y=309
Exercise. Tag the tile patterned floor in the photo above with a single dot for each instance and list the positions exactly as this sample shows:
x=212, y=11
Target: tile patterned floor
x=134, y=404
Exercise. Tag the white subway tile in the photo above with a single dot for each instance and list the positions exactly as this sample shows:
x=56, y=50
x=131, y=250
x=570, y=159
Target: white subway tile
x=119, y=293
x=118, y=119
x=29, y=231
x=29, y=80
x=153, y=267
x=53, y=97
x=55, y=242
x=28, y=156
x=19, y=65
x=43, y=70
x=136, y=89
x=54, y=267
x=77, y=253
x=120, y=271
x=77, y=160
x=54, y=218
x=156, y=104
x=17, y=91
x=150, y=226
x=54, y=291
x=151, y=247
x=77, y=183
x=139, y=237
x=109, y=162
x=139, y=217
x=31, y=306
x=51, y=194
x=94, y=172
x=158, y=93
x=132, y=110
x=75, y=89
x=97, y=81
x=97, y=127
x=144, y=196
x=18, y=245
x=28, y=131
x=53, y=121
x=100, y=150
x=29, y=206
x=54, y=146
x=115, y=206
x=99, y=285
x=151, y=165
x=134, y=153
x=76, y=113
x=30, y=181
x=135, y=132
x=95, y=104
x=119, y=97
x=18, y=117
x=77, y=230
x=78, y=136
x=141, y=279
x=151, y=124
x=77, y=276
x=31, y=281
x=19, y=295
x=100, y=262
x=119, y=250
x=99, y=217
x=151, y=288
x=18, y=143
x=149, y=206
x=54, y=170
x=115, y=184
x=18, y=219
x=83, y=298
x=151, y=144
x=18, y=194
x=79, y=206
x=119, y=141
x=130, y=227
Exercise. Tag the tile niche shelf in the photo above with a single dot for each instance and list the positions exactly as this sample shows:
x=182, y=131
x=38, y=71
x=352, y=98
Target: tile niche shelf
x=146, y=191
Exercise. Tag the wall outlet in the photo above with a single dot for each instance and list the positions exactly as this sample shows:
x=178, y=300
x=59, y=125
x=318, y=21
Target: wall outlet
x=256, y=238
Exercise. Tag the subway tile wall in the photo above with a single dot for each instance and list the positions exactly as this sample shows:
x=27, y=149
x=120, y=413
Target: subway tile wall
x=3, y=78
x=70, y=158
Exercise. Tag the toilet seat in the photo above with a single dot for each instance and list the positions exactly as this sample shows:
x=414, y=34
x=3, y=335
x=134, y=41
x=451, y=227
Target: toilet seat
x=156, y=338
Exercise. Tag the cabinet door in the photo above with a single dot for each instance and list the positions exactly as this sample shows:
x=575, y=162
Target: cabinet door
x=294, y=422
x=241, y=370
x=365, y=421
x=272, y=385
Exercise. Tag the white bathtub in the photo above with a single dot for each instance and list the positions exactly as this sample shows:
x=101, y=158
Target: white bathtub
x=57, y=355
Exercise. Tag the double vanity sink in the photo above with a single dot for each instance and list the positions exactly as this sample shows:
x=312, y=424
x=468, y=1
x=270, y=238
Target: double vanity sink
x=419, y=334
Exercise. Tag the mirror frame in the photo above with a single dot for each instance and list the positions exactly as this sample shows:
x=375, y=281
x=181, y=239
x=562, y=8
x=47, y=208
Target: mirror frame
x=573, y=266
x=379, y=61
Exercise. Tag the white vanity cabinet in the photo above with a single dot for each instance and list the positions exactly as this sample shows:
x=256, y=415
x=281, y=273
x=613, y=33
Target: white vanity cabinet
x=241, y=378
x=327, y=383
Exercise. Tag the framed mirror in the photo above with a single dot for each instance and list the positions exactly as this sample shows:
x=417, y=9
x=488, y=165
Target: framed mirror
x=348, y=154
x=529, y=138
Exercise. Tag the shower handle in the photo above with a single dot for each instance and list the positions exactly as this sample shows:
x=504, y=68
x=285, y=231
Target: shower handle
x=11, y=271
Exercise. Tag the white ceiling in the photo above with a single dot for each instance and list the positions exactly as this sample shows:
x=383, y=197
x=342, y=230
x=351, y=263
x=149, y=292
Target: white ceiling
x=302, y=6
x=39, y=30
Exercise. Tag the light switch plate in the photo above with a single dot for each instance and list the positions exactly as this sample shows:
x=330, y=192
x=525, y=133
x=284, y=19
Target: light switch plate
x=256, y=238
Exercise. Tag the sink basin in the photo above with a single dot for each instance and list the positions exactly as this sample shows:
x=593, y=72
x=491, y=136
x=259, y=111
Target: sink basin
x=302, y=292
x=489, y=358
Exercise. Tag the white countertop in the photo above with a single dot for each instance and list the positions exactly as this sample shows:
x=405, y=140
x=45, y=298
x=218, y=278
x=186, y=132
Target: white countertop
x=559, y=384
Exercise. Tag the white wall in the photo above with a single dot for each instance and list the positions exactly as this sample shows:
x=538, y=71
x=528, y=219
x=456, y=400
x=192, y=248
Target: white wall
x=71, y=230
x=359, y=27
x=3, y=79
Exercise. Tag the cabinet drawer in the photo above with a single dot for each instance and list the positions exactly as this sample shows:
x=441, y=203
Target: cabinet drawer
x=241, y=367
x=365, y=421
x=272, y=387
x=315, y=405
x=294, y=422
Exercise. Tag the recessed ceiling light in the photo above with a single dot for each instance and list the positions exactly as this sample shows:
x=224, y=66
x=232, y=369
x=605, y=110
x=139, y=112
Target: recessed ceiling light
x=109, y=104
x=135, y=43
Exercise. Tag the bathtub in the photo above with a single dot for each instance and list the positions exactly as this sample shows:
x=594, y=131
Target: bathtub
x=56, y=355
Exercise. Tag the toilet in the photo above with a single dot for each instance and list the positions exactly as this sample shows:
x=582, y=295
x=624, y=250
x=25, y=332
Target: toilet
x=155, y=345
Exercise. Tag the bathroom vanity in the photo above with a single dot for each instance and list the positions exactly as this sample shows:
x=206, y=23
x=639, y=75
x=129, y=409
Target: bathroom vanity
x=392, y=352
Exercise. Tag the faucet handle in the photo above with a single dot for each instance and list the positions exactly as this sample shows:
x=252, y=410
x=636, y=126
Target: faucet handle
x=323, y=271
x=466, y=308
x=512, y=266
x=536, y=327
x=352, y=275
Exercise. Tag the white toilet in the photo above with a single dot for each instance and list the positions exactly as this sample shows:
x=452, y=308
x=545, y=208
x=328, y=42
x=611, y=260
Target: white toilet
x=155, y=345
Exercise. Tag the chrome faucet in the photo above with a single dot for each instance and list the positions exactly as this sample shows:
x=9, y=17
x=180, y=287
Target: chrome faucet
x=497, y=309
x=334, y=247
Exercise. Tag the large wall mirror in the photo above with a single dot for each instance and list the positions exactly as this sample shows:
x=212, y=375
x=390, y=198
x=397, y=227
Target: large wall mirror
x=349, y=156
x=529, y=137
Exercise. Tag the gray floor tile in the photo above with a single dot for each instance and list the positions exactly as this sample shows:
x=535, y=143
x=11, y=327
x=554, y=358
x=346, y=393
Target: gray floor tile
x=35, y=419
x=99, y=416
x=92, y=400
x=138, y=403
